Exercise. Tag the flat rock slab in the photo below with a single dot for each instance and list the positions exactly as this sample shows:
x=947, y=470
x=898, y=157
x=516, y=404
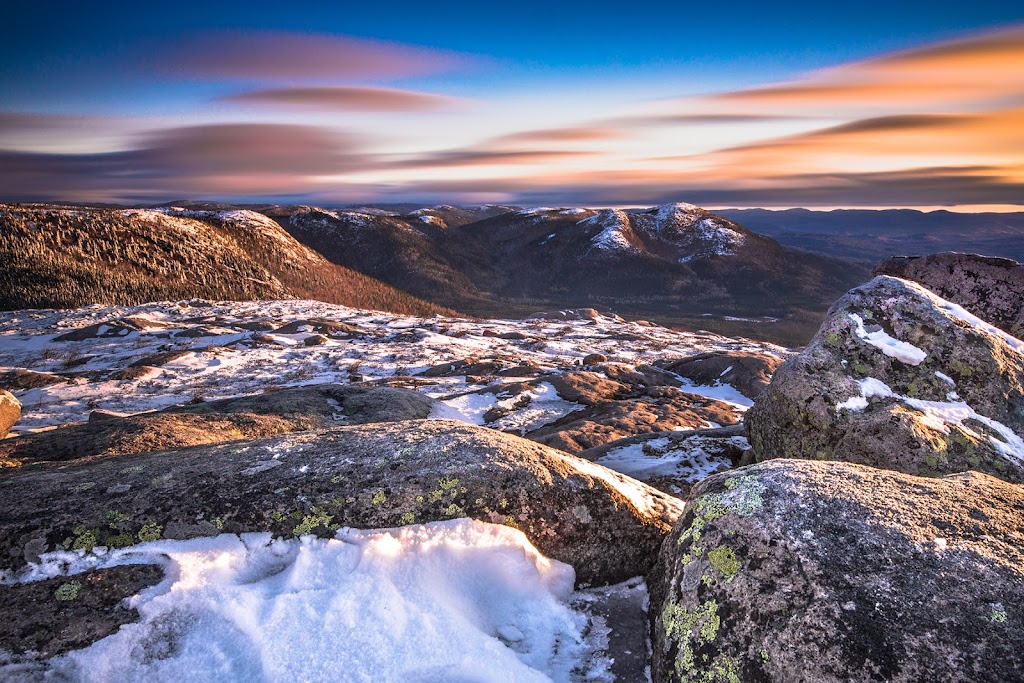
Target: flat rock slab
x=249, y=417
x=795, y=570
x=608, y=526
x=748, y=372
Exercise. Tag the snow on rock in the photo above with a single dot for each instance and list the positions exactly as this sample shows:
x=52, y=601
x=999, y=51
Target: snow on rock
x=458, y=600
x=939, y=415
x=890, y=346
x=542, y=406
x=930, y=390
x=520, y=413
x=718, y=391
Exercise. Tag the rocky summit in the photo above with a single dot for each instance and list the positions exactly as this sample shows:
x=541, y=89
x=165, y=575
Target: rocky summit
x=586, y=496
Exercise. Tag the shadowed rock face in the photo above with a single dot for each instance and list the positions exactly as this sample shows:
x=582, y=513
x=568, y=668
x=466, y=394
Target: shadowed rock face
x=807, y=571
x=54, y=616
x=898, y=378
x=609, y=527
x=989, y=287
x=250, y=417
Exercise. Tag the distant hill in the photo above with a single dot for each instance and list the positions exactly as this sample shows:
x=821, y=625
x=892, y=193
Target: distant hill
x=871, y=236
x=60, y=257
x=674, y=264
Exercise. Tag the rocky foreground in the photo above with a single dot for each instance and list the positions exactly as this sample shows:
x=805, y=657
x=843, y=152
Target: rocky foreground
x=871, y=529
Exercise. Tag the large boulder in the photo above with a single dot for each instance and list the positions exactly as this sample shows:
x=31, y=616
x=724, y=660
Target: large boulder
x=609, y=527
x=899, y=378
x=248, y=417
x=10, y=412
x=806, y=571
x=747, y=371
x=992, y=288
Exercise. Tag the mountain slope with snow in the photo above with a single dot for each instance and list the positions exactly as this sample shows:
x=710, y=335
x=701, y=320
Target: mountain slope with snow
x=65, y=257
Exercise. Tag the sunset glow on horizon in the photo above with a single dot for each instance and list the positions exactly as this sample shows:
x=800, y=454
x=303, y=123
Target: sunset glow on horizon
x=308, y=108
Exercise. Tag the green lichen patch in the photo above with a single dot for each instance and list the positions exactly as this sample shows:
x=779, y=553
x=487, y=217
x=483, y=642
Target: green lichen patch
x=150, y=531
x=122, y=540
x=724, y=560
x=68, y=591
x=692, y=631
x=998, y=614
x=379, y=498
x=407, y=518
x=117, y=520
x=83, y=539
x=318, y=517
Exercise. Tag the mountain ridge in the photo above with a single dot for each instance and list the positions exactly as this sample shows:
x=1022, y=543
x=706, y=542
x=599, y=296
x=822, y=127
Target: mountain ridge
x=61, y=257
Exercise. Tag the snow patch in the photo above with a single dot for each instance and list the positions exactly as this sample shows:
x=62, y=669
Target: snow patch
x=890, y=346
x=523, y=412
x=458, y=600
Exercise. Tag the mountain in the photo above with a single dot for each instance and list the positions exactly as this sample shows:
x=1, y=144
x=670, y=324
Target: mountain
x=59, y=257
x=875, y=235
x=676, y=263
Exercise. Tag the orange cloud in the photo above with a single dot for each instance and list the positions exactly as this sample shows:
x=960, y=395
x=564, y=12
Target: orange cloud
x=992, y=138
x=979, y=70
x=346, y=98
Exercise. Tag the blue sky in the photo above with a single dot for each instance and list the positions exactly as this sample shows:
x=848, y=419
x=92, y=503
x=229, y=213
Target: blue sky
x=84, y=82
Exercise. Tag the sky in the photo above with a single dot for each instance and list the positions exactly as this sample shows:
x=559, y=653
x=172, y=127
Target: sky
x=868, y=104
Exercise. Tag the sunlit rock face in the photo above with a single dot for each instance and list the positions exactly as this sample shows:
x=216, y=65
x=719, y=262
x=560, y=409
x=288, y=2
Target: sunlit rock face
x=793, y=570
x=899, y=378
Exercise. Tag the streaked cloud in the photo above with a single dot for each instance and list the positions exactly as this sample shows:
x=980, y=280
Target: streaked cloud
x=231, y=159
x=264, y=56
x=550, y=135
x=943, y=124
x=979, y=70
x=346, y=98
x=487, y=157
x=710, y=118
